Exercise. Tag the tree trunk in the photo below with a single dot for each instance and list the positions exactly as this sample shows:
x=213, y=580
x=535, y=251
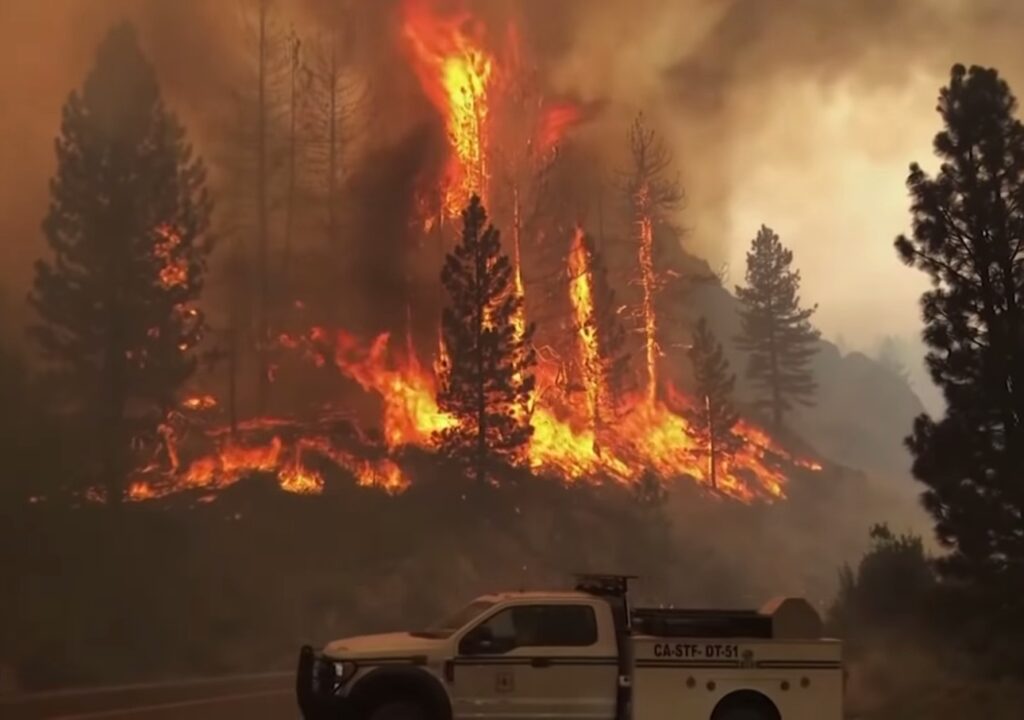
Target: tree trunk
x=290, y=201
x=332, y=150
x=712, y=450
x=262, y=231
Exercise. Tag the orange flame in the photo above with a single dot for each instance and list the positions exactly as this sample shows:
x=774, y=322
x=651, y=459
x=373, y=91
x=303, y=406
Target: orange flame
x=645, y=238
x=581, y=295
x=411, y=414
x=455, y=73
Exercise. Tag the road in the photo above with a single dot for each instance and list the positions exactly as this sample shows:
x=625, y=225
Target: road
x=255, y=697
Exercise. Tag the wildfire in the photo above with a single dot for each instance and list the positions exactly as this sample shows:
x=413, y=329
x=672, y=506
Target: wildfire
x=455, y=73
x=645, y=237
x=411, y=414
x=173, y=270
x=650, y=433
x=581, y=295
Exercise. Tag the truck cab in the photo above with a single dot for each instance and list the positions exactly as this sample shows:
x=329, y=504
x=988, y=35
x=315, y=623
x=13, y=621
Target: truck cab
x=582, y=654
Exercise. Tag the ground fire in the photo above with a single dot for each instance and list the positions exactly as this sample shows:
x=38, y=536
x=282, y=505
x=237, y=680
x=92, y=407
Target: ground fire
x=464, y=82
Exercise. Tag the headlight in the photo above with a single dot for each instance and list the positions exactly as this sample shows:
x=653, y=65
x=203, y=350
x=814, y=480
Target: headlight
x=344, y=671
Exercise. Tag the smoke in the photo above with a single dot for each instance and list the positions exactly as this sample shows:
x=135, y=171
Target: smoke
x=798, y=113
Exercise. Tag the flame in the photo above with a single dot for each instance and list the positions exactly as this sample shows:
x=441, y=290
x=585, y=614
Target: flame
x=645, y=243
x=199, y=402
x=173, y=271
x=555, y=122
x=411, y=413
x=650, y=433
x=581, y=295
x=455, y=73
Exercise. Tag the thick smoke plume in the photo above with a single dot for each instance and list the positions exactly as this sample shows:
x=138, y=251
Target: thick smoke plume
x=798, y=113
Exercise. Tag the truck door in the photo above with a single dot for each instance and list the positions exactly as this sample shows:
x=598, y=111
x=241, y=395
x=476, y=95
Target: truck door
x=537, y=661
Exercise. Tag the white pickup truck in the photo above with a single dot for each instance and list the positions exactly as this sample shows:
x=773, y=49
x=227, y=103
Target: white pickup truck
x=582, y=655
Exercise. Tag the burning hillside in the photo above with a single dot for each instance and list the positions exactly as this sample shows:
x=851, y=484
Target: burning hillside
x=502, y=134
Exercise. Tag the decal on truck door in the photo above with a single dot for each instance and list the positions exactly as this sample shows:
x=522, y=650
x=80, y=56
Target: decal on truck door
x=505, y=681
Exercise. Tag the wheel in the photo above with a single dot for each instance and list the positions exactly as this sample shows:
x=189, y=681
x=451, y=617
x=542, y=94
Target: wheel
x=397, y=710
x=742, y=712
x=746, y=705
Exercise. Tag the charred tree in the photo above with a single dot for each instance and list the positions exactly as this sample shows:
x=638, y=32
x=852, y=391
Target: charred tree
x=295, y=81
x=612, y=346
x=331, y=100
x=775, y=331
x=968, y=237
x=653, y=193
x=127, y=226
x=486, y=375
x=255, y=186
x=713, y=417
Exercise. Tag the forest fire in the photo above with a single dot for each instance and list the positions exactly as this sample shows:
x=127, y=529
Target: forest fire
x=582, y=431
x=456, y=74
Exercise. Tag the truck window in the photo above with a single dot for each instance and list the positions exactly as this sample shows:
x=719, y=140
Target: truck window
x=545, y=625
x=447, y=627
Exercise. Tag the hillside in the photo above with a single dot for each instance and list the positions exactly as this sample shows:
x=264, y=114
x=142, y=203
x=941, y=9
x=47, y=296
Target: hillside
x=863, y=410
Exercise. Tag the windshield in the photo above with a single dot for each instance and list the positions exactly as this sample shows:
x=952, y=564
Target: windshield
x=445, y=628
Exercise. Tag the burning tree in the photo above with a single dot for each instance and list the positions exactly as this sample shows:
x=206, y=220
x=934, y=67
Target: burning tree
x=967, y=237
x=127, y=225
x=712, y=417
x=652, y=193
x=600, y=334
x=775, y=330
x=485, y=374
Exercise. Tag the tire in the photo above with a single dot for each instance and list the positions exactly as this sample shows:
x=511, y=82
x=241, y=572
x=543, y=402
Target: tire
x=742, y=712
x=397, y=710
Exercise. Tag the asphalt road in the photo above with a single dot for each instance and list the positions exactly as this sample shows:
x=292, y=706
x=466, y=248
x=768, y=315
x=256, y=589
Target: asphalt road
x=255, y=697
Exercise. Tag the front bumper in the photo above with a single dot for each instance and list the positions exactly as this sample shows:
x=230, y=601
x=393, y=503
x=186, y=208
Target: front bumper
x=316, y=688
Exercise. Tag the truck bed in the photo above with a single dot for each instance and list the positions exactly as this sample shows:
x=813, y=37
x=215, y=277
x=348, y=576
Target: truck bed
x=698, y=623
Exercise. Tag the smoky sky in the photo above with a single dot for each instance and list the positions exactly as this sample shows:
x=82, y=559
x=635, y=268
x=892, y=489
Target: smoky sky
x=800, y=114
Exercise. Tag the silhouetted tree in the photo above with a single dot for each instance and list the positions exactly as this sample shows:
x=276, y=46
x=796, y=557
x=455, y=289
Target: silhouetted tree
x=256, y=169
x=891, y=586
x=890, y=357
x=331, y=100
x=968, y=237
x=775, y=331
x=486, y=377
x=611, y=332
x=127, y=225
x=713, y=417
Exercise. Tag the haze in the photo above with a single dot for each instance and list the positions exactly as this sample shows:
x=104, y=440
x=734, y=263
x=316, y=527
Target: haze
x=799, y=114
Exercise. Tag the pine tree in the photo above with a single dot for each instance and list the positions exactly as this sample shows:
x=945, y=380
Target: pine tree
x=968, y=237
x=775, y=331
x=486, y=379
x=890, y=357
x=713, y=417
x=127, y=225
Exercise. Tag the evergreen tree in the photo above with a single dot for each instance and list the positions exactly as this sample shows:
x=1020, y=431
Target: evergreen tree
x=890, y=357
x=775, y=331
x=713, y=417
x=968, y=237
x=127, y=225
x=485, y=378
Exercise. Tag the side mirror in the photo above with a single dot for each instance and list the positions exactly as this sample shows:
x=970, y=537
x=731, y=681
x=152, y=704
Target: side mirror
x=481, y=641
